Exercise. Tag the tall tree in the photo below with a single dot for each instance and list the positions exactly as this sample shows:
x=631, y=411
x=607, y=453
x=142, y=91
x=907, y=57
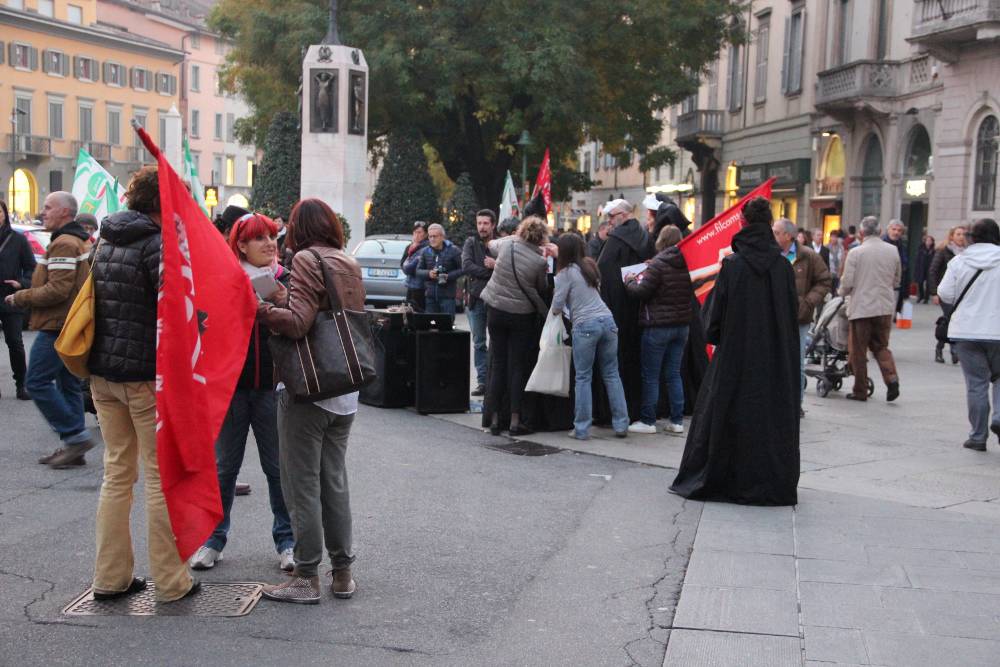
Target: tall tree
x=277, y=186
x=405, y=191
x=458, y=71
x=460, y=211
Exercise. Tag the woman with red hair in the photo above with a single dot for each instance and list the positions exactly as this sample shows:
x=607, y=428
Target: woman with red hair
x=253, y=239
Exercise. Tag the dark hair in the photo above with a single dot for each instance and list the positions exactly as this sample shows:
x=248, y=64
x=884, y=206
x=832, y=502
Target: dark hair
x=573, y=251
x=6, y=213
x=312, y=222
x=985, y=231
x=487, y=213
x=143, y=193
x=508, y=225
x=852, y=230
x=757, y=211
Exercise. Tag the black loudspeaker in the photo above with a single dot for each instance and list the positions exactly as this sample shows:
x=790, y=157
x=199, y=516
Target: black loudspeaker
x=442, y=371
x=395, y=366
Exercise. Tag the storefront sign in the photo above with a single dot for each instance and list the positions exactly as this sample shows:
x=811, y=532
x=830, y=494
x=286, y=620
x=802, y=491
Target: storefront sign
x=916, y=187
x=787, y=174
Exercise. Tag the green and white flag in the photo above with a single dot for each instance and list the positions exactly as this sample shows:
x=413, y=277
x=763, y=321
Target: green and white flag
x=96, y=191
x=190, y=176
x=508, y=200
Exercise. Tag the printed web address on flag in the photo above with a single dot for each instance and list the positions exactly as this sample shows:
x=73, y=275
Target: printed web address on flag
x=720, y=226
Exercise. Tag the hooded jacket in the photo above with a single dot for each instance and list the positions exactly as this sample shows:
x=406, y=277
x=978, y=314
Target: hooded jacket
x=126, y=281
x=57, y=278
x=978, y=316
x=665, y=290
x=17, y=262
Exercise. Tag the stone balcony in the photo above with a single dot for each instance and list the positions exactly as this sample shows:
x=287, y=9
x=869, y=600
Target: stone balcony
x=29, y=144
x=871, y=82
x=944, y=26
x=696, y=126
x=99, y=151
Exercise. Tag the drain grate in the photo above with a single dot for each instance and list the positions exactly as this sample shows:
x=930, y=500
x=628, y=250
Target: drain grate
x=231, y=599
x=525, y=448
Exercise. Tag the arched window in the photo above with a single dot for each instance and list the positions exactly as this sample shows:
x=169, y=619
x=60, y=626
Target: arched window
x=918, y=153
x=871, y=178
x=985, y=188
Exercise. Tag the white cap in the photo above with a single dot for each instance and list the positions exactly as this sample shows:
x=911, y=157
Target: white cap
x=651, y=202
x=616, y=205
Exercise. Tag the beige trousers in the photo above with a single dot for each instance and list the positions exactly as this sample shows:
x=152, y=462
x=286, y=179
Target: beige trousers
x=127, y=414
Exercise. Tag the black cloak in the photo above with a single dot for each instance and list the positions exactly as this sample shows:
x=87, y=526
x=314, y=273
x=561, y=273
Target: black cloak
x=743, y=446
x=627, y=244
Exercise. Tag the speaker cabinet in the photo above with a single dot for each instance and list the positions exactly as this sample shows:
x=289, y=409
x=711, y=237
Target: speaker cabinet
x=442, y=371
x=395, y=365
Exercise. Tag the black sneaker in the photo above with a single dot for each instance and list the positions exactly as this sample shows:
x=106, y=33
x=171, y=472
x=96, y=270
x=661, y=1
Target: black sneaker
x=22, y=394
x=977, y=446
x=893, y=391
x=480, y=390
x=138, y=584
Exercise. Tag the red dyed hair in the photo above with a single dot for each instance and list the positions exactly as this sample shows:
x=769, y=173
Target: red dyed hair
x=249, y=227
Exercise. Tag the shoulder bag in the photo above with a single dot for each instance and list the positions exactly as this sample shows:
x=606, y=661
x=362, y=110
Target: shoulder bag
x=336, y=357
x=941, y=326
x=77, y=334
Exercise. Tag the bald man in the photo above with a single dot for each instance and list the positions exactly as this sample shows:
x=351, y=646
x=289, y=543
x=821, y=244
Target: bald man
x=54, y=285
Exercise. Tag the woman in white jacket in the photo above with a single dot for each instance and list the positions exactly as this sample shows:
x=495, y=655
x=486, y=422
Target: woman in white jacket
x=975, y=326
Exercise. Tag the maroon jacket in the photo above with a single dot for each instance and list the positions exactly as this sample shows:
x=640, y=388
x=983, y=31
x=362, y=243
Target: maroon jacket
x=665, y=290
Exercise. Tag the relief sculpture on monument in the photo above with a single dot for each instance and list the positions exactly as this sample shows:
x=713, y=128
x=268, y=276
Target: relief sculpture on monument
x=324, y=100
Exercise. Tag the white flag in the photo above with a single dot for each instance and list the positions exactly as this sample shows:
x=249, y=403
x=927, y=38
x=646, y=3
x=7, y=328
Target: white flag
x=96, y=191
x=508, y=201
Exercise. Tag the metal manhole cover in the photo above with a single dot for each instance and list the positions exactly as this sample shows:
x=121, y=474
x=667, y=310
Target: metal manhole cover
x=525, y=448
x=233, y=599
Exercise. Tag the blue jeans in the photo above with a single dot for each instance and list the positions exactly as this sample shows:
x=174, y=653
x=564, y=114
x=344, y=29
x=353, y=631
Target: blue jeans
x=439, y=305
x=662, y=351
x=254, y=408
x=55, y=390
x=803, y=344
x=597, y=341
x=477, y=323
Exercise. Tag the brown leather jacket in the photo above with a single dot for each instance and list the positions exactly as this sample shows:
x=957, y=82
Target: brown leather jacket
x=57, y=279
x=307, y=295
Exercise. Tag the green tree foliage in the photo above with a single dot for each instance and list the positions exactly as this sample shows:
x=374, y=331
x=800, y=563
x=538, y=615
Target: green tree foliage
x=277, y=186
x=472, y=74
x=405, y=191
x=460, y=211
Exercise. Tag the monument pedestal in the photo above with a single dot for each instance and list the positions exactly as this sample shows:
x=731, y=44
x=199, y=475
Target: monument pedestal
x=335, y=131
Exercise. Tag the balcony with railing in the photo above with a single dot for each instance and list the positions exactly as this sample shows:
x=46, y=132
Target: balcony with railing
x=862, y=81
x=951, y=23
x=97, y=150
x=29, y=144
x=135, y=155
x=695, y=126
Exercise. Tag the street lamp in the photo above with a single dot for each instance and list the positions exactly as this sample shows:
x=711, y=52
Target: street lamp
x=13, y=153
x=524, y=142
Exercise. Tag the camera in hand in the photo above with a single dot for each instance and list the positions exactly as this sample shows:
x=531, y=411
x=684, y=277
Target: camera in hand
x=442, y=277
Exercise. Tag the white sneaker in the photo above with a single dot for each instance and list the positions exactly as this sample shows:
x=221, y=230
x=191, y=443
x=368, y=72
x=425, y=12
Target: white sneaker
x=640, y=427
x=287, y=559
x=205, y=558
x=676, y=429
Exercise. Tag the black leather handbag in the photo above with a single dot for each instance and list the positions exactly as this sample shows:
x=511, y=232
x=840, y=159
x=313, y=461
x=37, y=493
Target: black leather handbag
x=336, y=357
x=941, y=326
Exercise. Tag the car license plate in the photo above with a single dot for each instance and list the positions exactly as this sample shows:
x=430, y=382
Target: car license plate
x=383, y=273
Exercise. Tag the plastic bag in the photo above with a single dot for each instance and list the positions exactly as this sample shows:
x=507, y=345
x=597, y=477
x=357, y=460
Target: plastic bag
x=552, y=370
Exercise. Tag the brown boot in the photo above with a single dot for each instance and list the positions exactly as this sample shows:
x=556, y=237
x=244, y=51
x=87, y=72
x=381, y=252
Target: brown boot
x=78, y=461
x=300, y=590
x=343, y=585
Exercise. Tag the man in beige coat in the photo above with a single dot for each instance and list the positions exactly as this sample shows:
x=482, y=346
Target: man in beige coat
x=871, y=275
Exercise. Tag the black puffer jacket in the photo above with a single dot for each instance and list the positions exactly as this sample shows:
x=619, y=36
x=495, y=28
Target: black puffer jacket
x=665, y=291
x=126, y=279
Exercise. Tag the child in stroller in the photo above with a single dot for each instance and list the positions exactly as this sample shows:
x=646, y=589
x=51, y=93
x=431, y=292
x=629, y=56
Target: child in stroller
x=828, y=348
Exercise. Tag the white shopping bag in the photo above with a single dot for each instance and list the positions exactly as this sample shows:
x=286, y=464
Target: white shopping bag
x=551, y=373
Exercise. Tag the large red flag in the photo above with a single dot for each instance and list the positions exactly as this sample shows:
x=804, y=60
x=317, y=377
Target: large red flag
x=205, y=311
x=544, y=183
x=704, y=249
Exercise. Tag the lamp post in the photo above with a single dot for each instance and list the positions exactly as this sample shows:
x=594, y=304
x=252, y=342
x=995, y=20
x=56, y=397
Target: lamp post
x=524, y=142
x=13, y=153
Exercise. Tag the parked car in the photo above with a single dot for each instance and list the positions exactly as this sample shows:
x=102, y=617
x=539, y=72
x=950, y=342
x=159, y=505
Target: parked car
x=37, y=237
x=383, y=277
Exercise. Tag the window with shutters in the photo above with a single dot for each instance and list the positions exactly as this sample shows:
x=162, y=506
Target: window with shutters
x=842, y=34
x=114, y=74
x=114, y=126
x=734, y=89
x=162, y=117
x=165, y=83
x=21, y=56
x=86, y=130
x=195, y=128
x=140, y=78
x=74, y=14
x=689, y=103
x=216, y=169
x=230, y=127
x=23, y=123
x=85, y=69
x=763, y=45
x=985, y=186
x=55, y=119
x=791, y=69
x=195, y=78
x=140, y=118
x=713, y=85
x=218, y=127
x=54, y=62
x=195, y=41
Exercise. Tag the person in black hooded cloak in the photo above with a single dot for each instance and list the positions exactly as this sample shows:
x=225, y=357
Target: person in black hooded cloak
x=627, y=244
x=743, y=445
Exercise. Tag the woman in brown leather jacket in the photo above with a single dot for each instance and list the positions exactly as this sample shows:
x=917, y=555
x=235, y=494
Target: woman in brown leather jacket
x=313, y=436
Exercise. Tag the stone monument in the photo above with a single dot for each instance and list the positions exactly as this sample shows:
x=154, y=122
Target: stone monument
x=334, y=122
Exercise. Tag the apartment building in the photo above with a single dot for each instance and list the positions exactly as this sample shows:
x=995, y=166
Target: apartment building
x=68, y=83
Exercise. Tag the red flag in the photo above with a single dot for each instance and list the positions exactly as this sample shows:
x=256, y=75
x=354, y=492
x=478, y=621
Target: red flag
x=205, y=311
x=704, y=249
x=544, y=183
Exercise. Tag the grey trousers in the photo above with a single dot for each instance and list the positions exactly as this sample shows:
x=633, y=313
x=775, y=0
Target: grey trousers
x=981, y=366
x=313, y=449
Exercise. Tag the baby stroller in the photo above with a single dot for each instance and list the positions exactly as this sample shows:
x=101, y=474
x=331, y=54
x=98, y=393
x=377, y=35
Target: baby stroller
x=828, y=348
